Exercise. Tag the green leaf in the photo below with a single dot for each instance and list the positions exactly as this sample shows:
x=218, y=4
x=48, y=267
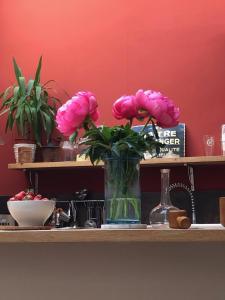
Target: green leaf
x=43, y=122
x=73, y=136
x=30, y=86
x=16, y=91
x=49, y=123
x=20, y=101
x=47, y=82
x=38, y=71
x=4, y=111
x=7, y=92
x=7, y=102
x=36, y=126
x=106, y=131
x=33, y=113
x=17, y=70
x=39, y=105
x=22, y=85
x=38, y=92
x=21, y=122
x=10, y=122
x=19, y=110
x=55, y=102
x=28, y=113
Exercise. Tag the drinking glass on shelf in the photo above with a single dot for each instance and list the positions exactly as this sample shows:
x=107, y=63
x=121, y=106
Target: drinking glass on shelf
x=223, y=139
x=68, y=151
x=209, y=144
x=223, y=147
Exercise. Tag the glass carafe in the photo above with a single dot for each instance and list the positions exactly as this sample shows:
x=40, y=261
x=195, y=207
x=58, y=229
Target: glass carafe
x=159, y=215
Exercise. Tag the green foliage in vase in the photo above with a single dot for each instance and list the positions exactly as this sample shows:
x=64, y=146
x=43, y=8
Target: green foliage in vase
x=29, y=106
x=119, y=142
x=122, y=189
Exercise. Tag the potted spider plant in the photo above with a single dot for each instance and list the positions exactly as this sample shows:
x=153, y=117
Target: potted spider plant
x=30, y=108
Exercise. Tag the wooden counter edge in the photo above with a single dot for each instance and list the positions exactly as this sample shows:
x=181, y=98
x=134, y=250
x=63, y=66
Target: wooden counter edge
x=113, y=236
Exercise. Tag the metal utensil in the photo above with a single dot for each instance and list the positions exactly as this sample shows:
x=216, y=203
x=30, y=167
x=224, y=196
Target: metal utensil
x=74, y=214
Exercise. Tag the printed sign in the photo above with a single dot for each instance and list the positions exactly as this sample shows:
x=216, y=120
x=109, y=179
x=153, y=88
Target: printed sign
x=173, y=138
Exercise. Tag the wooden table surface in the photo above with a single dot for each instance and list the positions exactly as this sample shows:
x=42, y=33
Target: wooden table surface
x=213, y=233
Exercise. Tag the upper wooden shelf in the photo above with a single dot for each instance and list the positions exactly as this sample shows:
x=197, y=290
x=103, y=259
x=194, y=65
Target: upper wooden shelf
x=212, y=234
x=179, y=161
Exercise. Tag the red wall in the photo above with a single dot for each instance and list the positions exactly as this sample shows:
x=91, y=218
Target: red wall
x=115, y=47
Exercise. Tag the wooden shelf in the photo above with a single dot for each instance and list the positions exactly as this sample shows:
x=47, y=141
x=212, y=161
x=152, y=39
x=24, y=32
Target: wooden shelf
x=155, y=162
x=112, y=236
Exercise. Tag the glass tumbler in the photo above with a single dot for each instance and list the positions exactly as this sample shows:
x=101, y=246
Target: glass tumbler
x=209, y=144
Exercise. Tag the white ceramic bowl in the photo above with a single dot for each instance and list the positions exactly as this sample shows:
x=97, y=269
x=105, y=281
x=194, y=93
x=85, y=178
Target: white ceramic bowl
x=31, y=212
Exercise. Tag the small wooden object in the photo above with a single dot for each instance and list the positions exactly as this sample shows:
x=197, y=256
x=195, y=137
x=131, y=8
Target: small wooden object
x=25, y=155
x=178, y=219
x=183, y=222
x=222, y=210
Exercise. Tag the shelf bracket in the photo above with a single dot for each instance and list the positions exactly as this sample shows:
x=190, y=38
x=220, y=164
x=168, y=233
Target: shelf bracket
x=191, y=177
x=192, y=183
x=36, y=182
x=33, y=180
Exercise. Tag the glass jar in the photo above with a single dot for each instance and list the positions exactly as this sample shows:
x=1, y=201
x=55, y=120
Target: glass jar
x=159, y=215
x=68, y=151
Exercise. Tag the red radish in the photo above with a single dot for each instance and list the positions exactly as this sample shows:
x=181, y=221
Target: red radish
x=38, y=197
x=31, y=194
x=20, y=195
x=12, y=199
x=27, y=197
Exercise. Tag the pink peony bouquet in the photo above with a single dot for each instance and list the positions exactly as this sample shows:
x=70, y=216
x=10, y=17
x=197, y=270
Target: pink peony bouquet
x=118, y=141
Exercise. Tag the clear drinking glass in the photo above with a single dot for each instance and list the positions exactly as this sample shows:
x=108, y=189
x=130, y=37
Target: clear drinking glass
x=223, y=147
x=68, y=151
x=159, y=215
x=209, y=144
x=223, y=140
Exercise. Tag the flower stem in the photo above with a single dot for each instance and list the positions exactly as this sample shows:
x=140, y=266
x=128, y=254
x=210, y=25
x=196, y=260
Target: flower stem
x=92, y=123
x=97, y=128
x=146, y=124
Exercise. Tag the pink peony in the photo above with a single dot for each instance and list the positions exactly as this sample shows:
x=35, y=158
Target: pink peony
x=71, y=115
x=159, y=107
x=125, y=108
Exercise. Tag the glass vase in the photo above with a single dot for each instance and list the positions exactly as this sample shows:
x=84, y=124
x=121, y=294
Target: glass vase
x=122, y=191
x=159, y=215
